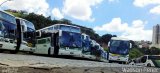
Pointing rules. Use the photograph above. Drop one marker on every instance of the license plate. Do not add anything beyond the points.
(71, 53)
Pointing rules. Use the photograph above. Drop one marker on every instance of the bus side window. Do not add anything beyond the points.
(48, 40)
(144, 59)
(41, 41)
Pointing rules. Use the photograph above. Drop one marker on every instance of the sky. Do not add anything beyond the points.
(132, 19)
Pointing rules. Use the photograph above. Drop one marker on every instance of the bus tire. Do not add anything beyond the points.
(49, 52)
(148, 65)
(110, 61)
(1, 51)
(56, 50)
(30, 52)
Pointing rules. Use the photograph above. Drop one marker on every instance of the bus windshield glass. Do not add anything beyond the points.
(30, 26)
(7, 25)
(70, 39)
(29, 35)
(7, 17)
(119, 47)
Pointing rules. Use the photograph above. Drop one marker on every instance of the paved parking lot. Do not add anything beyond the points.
(18, 63)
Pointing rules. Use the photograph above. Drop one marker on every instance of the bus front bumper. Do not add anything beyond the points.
(71, 52)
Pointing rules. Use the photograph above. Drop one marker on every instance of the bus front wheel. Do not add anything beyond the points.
(110, 61)
(148, 65)
(1, 51)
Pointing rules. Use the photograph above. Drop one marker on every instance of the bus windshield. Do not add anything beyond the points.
(119, 47)
(7, 25)
(29, 35)
(7, 17)
(70, 39)
(30, 26)
(86, 43)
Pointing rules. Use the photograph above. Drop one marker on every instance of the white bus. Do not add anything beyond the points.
(119, 50)
(27, 34)
(59, 39)
(12, 33)
(148, 60)
(9, 33)
(92, 50)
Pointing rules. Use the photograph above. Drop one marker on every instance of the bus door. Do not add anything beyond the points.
(19, 35)
(56, 43)
(43, 45)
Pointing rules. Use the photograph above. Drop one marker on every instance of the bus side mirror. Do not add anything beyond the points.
(24, 28)
(130, 46)
(60, 32)
(1, 26)
(108, 44)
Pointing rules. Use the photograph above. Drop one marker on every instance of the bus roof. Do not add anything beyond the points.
(68, 25)
(119, 38)
(59, 24)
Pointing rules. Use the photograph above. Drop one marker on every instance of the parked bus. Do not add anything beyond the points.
(148, 60)
(27, 34)
(15, 33)
(92, 50)
(9, 33)
(119, 50)
(59, 39)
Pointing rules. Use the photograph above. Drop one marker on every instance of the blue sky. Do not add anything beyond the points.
(132, 19)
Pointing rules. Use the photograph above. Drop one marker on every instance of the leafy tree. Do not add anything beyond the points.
(154, 51)
(106, 38)
(135, 53)
(66, 21)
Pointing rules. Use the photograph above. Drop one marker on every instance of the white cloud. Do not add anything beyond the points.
(155, 10)
(56, 13)
(80, 9)
(115, 25)
(134, 32)
(36, 6)
(144, 3)
(137, 31)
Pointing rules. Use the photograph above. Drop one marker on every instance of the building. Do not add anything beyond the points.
(156, 36)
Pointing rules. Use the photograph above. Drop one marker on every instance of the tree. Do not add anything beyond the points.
(154, 51)
(106, 38)
(66, 21)
(135, 53)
